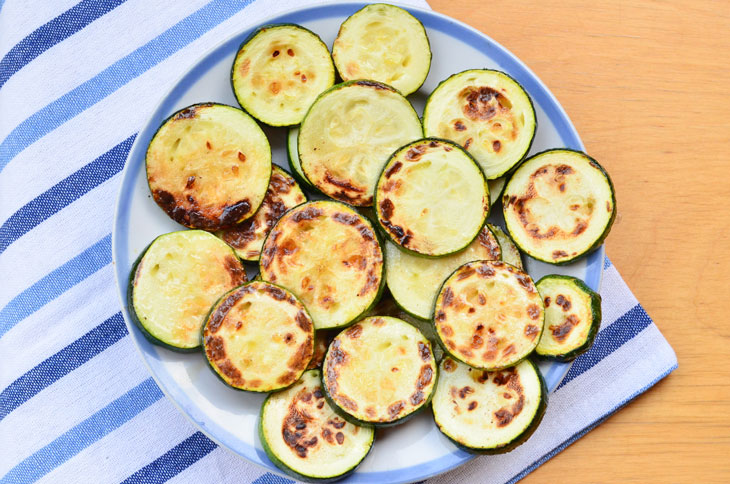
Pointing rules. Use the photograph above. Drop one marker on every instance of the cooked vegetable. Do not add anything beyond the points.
(348, 135)
(495, 189)
(572, 317)
(279, 71)
(559, 205)
(489, 413)
(292, 154)
(432, 198)
(258, 337)
(414, 281)
(510, 253)
(175, 282)
(304, 437)
(488, 113)
(208, 166)
(488, 315)
(328, 255)
(379, 371)
(322, 340)
(384, 43)
(248, 237)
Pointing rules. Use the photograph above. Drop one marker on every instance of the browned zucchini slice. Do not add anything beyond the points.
(510, 252)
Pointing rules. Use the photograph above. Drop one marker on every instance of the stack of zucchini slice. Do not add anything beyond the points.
(375, 198)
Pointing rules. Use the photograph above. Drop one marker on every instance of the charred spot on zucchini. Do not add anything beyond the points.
(304, 437)
(510, 253)
(421, 189)
(384, 43)
(489, 315)
(488, 113)
(572, 317)
(559, 205)
(489, 412)
(329, 256)
(279, 71)
(380, 371)
(292, 153)
(208, 166)
(348, 135)
(258, 337)
(414, 281)
(247, 238)
(175, 282)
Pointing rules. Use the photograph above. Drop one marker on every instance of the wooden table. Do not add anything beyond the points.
(647, 85)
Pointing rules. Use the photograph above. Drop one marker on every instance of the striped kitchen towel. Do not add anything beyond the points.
(77, 80)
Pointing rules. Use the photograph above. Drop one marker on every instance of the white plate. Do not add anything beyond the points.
(410, 452)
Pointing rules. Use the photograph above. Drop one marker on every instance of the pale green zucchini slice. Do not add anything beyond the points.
(559, 205)
(208, 166)
(279, 71)
(329, 256)
(510, 252)
(292, 154)
(258, 337)
(488, 113)
(380, 372)
(348, 135)
(384, 43)
(496, 187)
(305, 438)
(572, 317)
(414, 281)
(489, 413)
(175, 282)
(432, 198)
(247, 238)
(489, 315)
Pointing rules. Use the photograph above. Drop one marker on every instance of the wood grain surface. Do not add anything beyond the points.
(647, 85)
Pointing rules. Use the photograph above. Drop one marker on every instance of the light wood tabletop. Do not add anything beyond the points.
(647, 85)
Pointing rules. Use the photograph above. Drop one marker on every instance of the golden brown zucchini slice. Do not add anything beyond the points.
(258, 337)
(510, 253)
(422, 189)
(328, 255)
(208, 166)
(489, 315)
(559, 205)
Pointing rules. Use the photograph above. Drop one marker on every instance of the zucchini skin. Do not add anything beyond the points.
(299, 177)
(595, 324)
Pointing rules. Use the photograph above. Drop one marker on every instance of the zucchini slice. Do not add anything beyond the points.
(510, 253)
(489, 315)
(348, 135)
(489, 413)
(305, 438)
(380, 372)
(572, 317)
(496, 187)
(559, 205)
(208, 166)
(384, 43)
(329, 256)
(175, 282)
(414, 281)
(248, 237)
(292, 154)
(258, 337)
(488, 113)
(422, 187)
(279, 71)
(322, 340)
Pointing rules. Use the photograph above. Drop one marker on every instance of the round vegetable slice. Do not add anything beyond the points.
(295, 166)
(305, 438)
(510, 254)
(423, 185)
(496, 187)
(384, 43)
(488, 315)
(279, 72)
(488, 113)
(379, 371)
(208, 166)
(414, 281)
(248, 237)
(328, 255)
(559, 205)
(489, 413)
(348, 135)
(175, 282)
(572, 317)
(258, 338)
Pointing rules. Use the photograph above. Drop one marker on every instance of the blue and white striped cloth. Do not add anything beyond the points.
(77, 79)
